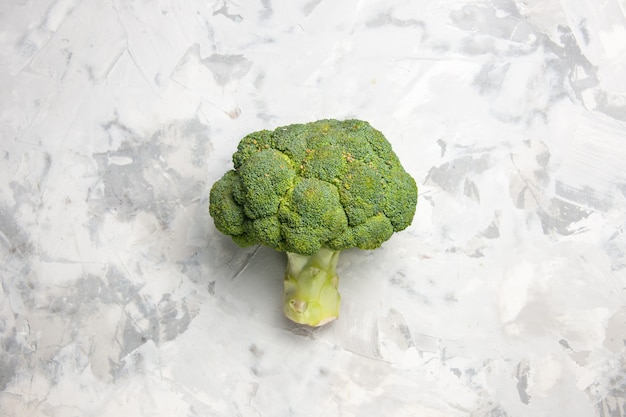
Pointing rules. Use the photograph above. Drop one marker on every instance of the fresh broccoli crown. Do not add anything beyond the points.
(330, 183)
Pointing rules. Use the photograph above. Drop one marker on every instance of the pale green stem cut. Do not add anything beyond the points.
(311, 296)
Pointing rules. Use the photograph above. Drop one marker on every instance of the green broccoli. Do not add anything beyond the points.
(312, 190)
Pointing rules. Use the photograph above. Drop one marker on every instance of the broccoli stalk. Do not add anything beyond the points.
(311, 296)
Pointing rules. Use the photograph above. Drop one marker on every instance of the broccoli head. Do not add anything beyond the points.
(312, 190)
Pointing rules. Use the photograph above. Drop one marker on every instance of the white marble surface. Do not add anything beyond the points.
(506, 297)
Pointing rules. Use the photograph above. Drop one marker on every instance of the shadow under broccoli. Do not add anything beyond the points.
(312, 190)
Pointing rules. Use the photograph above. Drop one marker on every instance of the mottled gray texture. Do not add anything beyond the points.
(451, 176)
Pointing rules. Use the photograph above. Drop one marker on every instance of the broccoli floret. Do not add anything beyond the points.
(312, 190)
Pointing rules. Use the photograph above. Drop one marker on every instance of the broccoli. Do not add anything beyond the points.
(312, 190)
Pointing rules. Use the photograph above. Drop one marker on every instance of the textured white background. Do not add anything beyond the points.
(506, 297)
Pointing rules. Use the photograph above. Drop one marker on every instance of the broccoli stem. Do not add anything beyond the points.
(311, 296)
